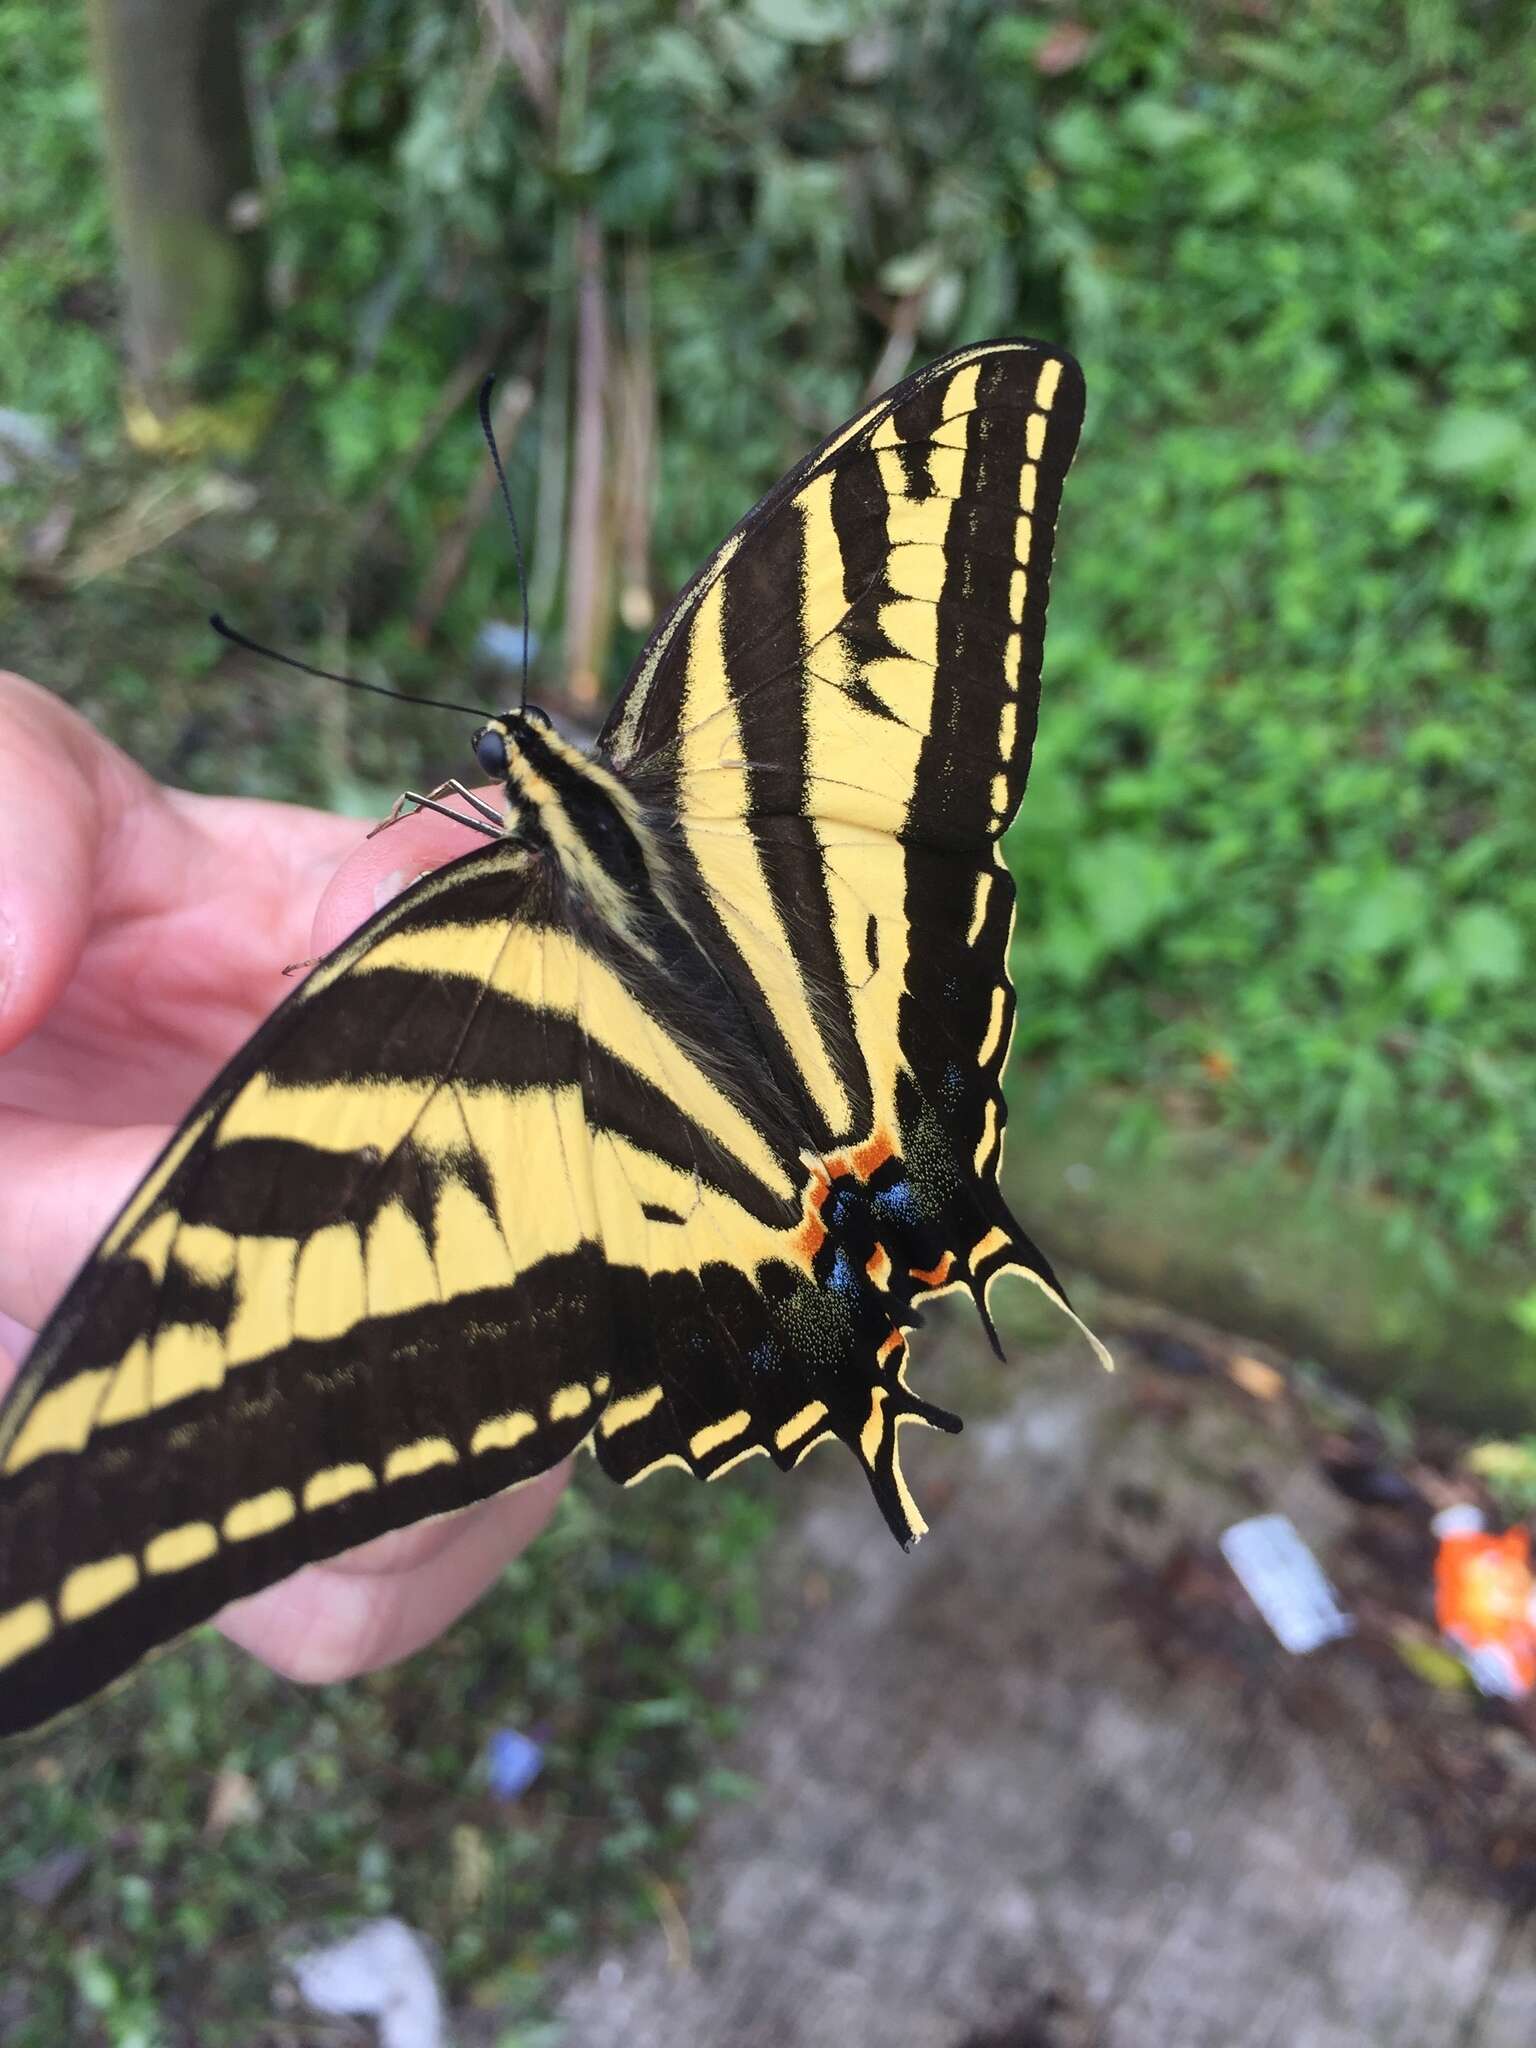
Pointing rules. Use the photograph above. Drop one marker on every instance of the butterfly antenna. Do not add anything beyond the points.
(506, 498)
(305, 668)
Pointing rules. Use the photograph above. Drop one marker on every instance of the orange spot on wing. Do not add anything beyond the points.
(937, 1275)
(878, 1265)
(894, 1342)
(871, 1156)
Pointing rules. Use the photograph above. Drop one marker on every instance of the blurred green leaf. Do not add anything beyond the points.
(1471, 441)
(1487, 945)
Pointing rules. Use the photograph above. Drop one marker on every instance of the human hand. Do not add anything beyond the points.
(143, 933)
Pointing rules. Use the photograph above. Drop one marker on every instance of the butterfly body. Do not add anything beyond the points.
(648, 1124)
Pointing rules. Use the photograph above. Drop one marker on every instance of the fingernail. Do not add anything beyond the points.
(388, 887)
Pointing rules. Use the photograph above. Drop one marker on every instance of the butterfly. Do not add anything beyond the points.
(646, 1125)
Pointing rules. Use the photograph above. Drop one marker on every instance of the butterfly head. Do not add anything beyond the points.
(498, 737)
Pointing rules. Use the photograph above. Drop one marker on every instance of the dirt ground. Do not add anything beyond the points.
(1050, 1781)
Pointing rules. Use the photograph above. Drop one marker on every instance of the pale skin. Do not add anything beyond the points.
(143, 934)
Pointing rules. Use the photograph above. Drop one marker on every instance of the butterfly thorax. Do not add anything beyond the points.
(570, 808)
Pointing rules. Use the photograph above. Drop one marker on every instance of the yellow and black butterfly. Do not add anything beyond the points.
(644, 1125)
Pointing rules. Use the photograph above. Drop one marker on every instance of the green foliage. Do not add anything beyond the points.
(372, 1797)
(1277, 812)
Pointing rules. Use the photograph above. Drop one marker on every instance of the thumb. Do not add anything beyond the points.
(384, 865)
(50, 825)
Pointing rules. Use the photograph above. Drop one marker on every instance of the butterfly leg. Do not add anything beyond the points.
(493, 827)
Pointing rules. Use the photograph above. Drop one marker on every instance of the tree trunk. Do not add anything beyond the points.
(184, 189)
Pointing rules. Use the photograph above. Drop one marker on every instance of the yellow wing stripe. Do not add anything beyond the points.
(259, 1515)
(797, 1425)
(632, 1408)
(504, 1432)
(336, 1482)
(422, 1456)
(703, 1441)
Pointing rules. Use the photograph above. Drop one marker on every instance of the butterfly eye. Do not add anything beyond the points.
(491, 753)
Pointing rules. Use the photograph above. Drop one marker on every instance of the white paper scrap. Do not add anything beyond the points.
(1285, 1582)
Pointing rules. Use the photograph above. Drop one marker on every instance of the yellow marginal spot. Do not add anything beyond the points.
(601, 1385)
(979, 908)
(94, 1586)
(259, 1515)
(999, 794)
(421, 1456)
(570, 1402)
(995, 1241)
(503, 1432)
(1018, 583)
(1045, 388)
(336, 1482)
(872, 1435)
(703, 1441)
(1034, 436)
(177, 1550)
(329, 1284)
(797, 1425)
(60, 1421)
(656, 1464)
(1011, 658)
(1028, 476)
(994, 1035)
(401, 1275)
(1007, 730)
(632, 1408)
(1023, 537)
(988, 1143)
(22, 1629)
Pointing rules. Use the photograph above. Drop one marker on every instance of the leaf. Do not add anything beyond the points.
(1128, 886)
(802, 21)
(1487, 945)
(1160, 127)
(1387, 913)
(1474, 441)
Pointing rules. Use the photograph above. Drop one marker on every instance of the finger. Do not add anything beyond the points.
(384, 865)
(15, 1343)
(62, 1185)
(335, 1620)
(49, 832)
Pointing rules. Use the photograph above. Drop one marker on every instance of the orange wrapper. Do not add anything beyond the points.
(1485, 1600)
